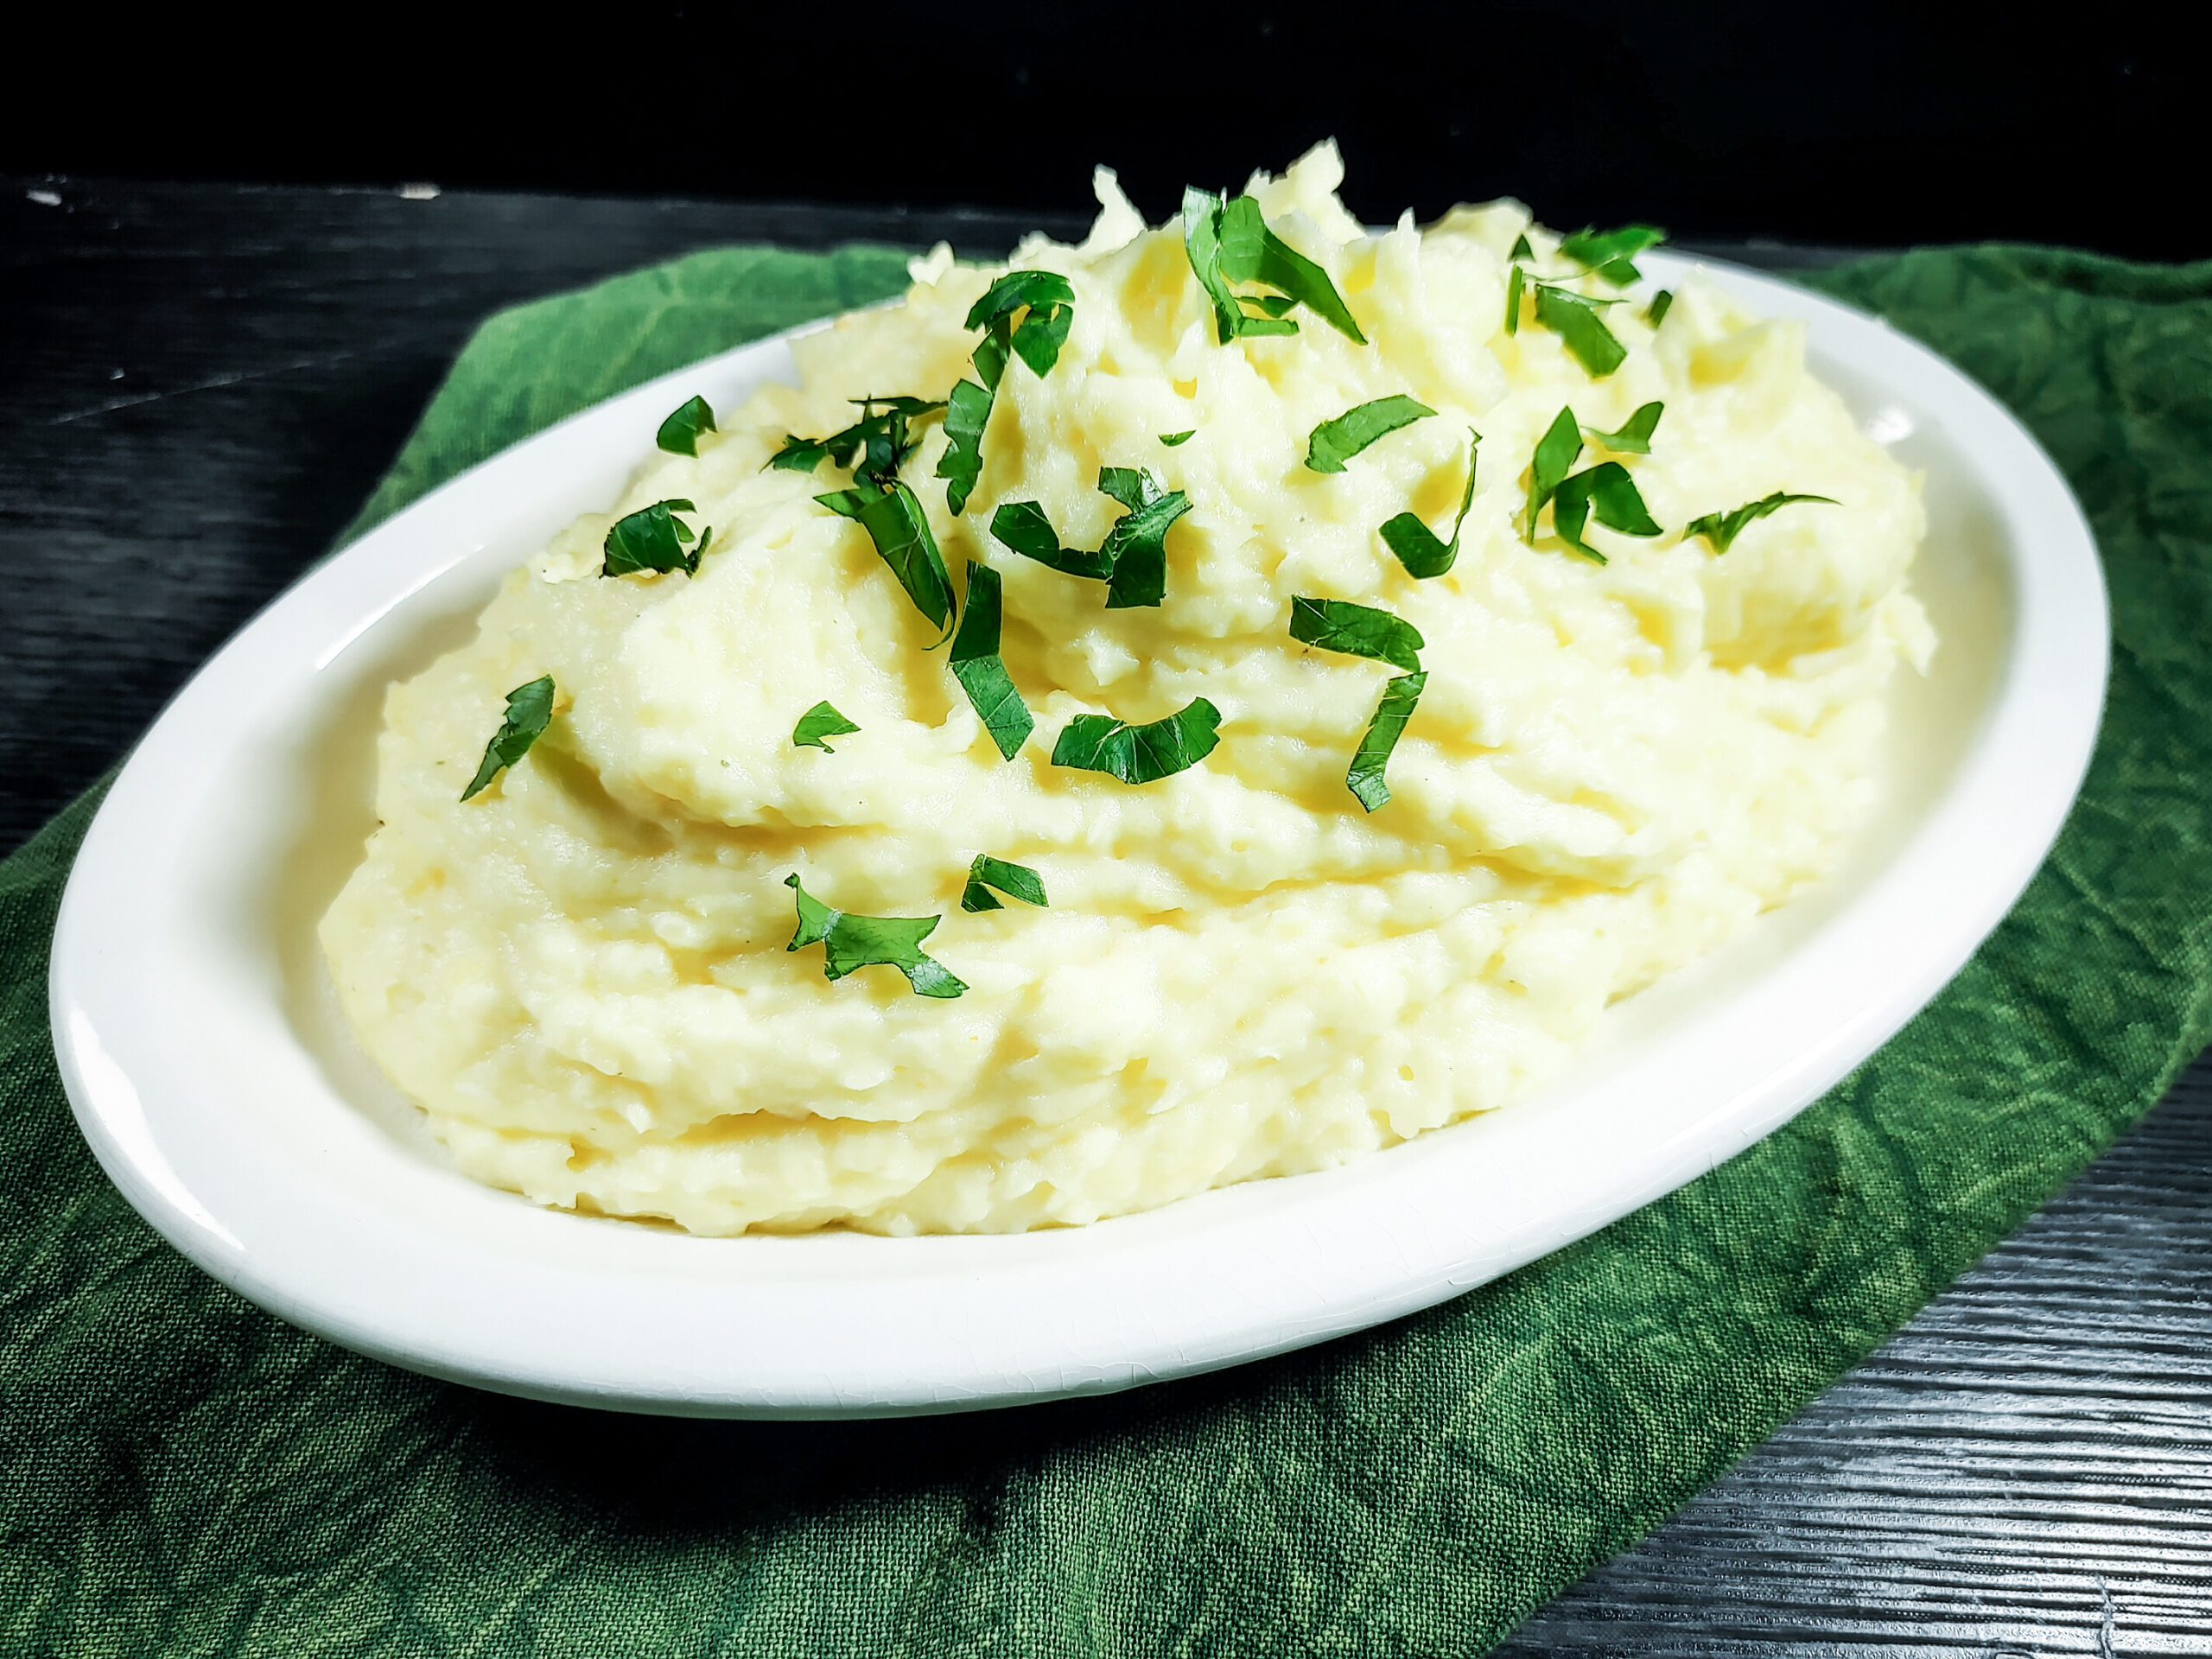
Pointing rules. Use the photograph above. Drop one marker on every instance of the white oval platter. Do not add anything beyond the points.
(215, 1084)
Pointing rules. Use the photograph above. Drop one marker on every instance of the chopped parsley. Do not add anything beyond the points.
(1334, 442)
(1662, 302)
(1050, 304)
(1547, 468)
(1573, 317)
(853, 941)
(1515, 281)
(975, 662)
(1362, 631)
(819, 722)
(530, 710)
(798, 455)
(1202, 243)
(1416, 544)
(1364, 779)
(1719, 528)
(653, 539)
(1635, 436)
(1607, 492)
(1015, 880)
(900, 529)
(887, 436)
(1357, 631)
(1132, 559)
(1135, 549)
(1254, 280)
(1023, 527)
(875, 445)
(992, 355)
(1139, 754)
(967, 412)
(1611, 254)
(1229, 242)
(679, 433)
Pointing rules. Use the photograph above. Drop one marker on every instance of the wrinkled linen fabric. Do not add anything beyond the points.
(182, 1475)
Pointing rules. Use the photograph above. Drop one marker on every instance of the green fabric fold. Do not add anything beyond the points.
(180, 1474)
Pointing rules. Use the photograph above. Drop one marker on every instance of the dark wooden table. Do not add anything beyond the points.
(199, 386)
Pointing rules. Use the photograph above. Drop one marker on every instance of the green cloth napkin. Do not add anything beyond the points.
(180, 1474)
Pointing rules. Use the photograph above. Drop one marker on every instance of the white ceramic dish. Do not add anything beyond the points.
(223, 1097)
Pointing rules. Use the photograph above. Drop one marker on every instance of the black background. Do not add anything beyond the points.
(1871, 125)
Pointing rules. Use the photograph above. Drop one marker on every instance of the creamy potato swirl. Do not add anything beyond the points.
(580, 974)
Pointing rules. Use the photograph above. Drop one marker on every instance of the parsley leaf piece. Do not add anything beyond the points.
(1357, 631)
(1611, 254)
(679, 433)
(1521, 248)
(1049, 303)
(816, 723)
(1229, 242)
(992, 356)
(975, 662)
(1250, 252)
(1574, 319)
(1515, 281)
(880, 408)
(1037, 341)
(1023, 527)
(1334, 442)
(1038, 338)
(1547, 468)
(530, 710)
(1135, 549)
(1132, 559)
(900, 529)
(1201, 221)
(1133, 487)
(885, 437)
(1364, 779)
(880, 440)
(798, 455)
(1416, 544)
(853, 941)
(1720, 529)
(1015, 880)
(1635, 436)
(1607, 491)
(1139, 754)
(966, 412)
(1019, 290)
(1171, 439)
(649, 540)
(1662, 302)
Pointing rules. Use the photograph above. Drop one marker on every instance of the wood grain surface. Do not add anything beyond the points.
(198, 386)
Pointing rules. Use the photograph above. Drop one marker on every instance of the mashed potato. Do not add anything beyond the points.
(580, 974)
